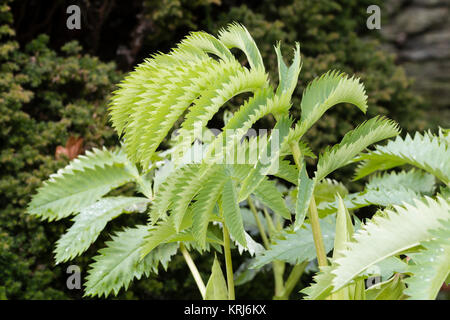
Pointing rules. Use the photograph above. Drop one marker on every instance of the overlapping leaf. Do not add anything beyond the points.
(425, 151)
(119, 263)
(91, 221)
(81, 183)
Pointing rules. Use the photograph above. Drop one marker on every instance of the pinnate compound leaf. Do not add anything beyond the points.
(91, 221)
(267, 161)
(431, 266)
(304, 194)
(237, 36)
(119, 263)
(425, 151)
(81, 183)
(297, 247)
(232, 213)
(388, 189)
(354, 142)
(389, 234)
(325, 92)
(271, 197)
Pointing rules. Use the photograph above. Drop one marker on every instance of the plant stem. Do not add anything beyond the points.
(194, 270)
(258, 223)
(313, 215)
(292, 280)
(297, 154)
(277, 266)
(228, 263)
(278, 272)
(317, 234)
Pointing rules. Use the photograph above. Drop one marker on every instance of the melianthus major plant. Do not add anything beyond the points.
(202, 205)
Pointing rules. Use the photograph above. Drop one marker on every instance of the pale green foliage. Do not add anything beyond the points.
(119, 263)
(416, 180)
(264, 166)
(216, 288)
(296, 247)
(379, 197)
(344, 233)
(91, 221)
(385, 235)
(287, 171)
(159, 91)
(236, 36)
(425, 151)
(304, 194)
(204, 205)
(326, 91)
(391, 289)
(191, 202)
(431, 266)
(232, 213)
(354, 142)
(327, 189)
(81, 183)
(388, 189)
(268, 194)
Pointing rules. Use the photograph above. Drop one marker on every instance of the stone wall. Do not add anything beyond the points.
(418, 31)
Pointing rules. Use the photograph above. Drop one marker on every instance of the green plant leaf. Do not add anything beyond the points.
(81, 183)
(431, 265)
(389, 234)
(297, 247)
(216, 288)
(304, 194)
(323, 93)
(425, 151)
(164, 232)
(388, 290)
(232, 213)
(288, 76)
(354, 142)
(266, 162)
(287, 171)
(204, 204)
(119, 263)
(388, 189)
(91, 221)
(237, 36)
(326, 190)
(380, 197)
(320, 288)
(268, 194)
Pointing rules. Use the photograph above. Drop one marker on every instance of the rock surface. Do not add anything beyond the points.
(418, 32)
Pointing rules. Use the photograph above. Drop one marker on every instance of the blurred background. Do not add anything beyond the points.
(55, 84)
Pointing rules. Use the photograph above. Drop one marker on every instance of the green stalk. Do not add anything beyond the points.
(228, 263)
(292, 280)
(278, 266)
(278, 272)
(317, 234)
(297, 154)
(194, 270)
(258, 223)
(313, 214)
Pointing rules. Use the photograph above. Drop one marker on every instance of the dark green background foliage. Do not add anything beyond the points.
(52, 88)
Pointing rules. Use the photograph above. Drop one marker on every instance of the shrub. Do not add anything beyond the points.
(45, 97)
